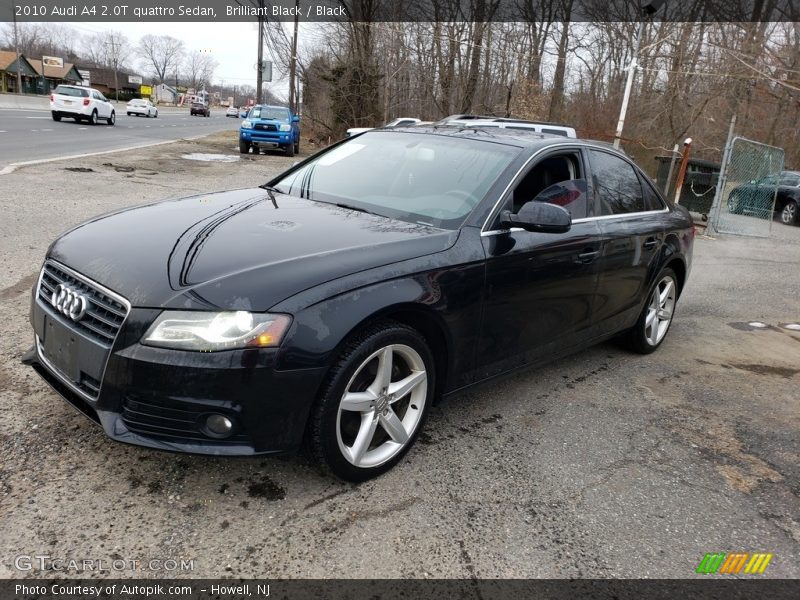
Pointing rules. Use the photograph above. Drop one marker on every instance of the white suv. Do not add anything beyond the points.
(81, 103)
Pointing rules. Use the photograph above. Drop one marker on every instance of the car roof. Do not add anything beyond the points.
(522, 138)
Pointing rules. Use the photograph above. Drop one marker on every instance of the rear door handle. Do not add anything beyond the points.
(588, 255)
(650, 243)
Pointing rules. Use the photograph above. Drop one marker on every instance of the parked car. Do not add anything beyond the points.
(756, 197)
(335, 303)
(141, 108)
(270, 127)
(200, 108)
(399, 122)
(508, 123)
(82, 104)
(232, 112)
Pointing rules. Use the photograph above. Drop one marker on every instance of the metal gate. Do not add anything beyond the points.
(745, 195)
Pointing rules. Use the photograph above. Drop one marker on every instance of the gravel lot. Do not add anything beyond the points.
(604, 464)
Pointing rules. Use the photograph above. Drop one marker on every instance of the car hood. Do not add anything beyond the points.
(236, 249)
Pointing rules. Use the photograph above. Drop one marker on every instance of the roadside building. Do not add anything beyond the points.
(165, 94)
(103, 80)
(8, 73)
(48, 76)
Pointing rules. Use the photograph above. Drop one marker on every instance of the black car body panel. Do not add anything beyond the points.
(488, 300)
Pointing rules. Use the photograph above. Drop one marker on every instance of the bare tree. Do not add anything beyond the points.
(198, 68)
(162, 54)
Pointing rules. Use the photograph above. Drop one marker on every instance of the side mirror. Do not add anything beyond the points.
(539, 217)
(295, 119)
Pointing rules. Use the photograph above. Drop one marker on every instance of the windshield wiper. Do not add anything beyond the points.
(351, 207)
(271, 191)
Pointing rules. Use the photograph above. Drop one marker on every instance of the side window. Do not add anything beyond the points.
(556, 179)
(652, 201)
(615, 184)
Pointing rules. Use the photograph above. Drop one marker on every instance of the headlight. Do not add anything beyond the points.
(285, 127)
(213, 331)
(247, 124)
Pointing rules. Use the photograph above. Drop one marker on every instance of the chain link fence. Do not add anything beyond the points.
(745, 196)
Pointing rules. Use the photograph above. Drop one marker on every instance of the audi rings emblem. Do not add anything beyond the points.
(68, 302)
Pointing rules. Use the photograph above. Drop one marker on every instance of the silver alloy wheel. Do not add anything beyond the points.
(660, 310)
(397, 406)
(789, 213)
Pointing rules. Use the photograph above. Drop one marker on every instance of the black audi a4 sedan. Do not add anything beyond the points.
(332, 305)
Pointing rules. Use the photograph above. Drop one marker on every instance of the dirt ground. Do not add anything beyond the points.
(603, 464)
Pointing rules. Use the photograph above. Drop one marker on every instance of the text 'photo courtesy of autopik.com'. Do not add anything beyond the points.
(391, 299)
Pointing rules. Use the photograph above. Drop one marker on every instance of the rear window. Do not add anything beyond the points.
(65, 90)
(560, 132)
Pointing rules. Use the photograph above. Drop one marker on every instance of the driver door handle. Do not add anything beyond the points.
(650, 243)
(588, 255)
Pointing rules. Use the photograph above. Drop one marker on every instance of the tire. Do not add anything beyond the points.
(289, 150)
(155, 116)
(112, 119)
(93, 118)
(354, 443)
(244, 147)
(297, 147)
(653, 324)
(56, 117)
(129, 114)
(735, 204)
(789, 213)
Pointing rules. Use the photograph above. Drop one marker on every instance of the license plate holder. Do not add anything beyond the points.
(60, 348)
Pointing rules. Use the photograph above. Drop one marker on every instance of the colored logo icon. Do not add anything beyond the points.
(734, 563)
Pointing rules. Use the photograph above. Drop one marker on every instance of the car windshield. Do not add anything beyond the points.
(268, 112)
(65, 90)
(419, 178)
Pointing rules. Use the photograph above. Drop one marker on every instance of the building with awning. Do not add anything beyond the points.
(53, 74)
(8, 73)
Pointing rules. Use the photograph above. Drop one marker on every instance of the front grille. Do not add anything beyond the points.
(266, 127)
(157, 417)
(104, 313)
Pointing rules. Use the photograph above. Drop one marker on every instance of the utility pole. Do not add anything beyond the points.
(647, 10)
(260, 63)
(16, 50)
(114, 62)
(294, 100)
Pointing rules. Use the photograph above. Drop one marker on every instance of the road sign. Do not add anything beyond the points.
(146, 90)
(85, 77)
(53, 61)
(134, 79)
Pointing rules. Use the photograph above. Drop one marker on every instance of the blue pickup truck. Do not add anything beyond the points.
(270, 126)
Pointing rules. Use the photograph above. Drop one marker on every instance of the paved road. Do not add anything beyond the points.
(27, 135)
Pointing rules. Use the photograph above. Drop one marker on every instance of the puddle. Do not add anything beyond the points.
(210, 157)
(790, 326)
(752, 326)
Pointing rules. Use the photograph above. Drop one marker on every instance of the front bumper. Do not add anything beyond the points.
(275, 138)
(160, 398)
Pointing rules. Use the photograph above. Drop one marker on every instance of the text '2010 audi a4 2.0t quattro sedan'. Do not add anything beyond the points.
(335, 303)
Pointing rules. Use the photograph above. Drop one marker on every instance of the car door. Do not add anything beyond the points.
(540, 287)
(630, 217)
(101, 105)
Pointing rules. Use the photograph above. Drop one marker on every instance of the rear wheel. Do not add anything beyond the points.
(654, 322)
(93, 118)
(244, 147)
(373, 403)
(735, 204)
(56, 116)
(789, 213)
(112, 119)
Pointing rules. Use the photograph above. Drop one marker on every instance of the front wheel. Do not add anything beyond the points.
(244, 147)
(789, 213)
(289, 150)
(112, 119)
(653, 324)
(373, 403)
(297, 147)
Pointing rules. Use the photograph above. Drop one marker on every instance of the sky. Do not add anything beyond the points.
(233, 46)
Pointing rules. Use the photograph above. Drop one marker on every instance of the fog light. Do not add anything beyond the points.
(219, 425)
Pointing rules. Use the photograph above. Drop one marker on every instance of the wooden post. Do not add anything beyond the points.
(687, 146)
